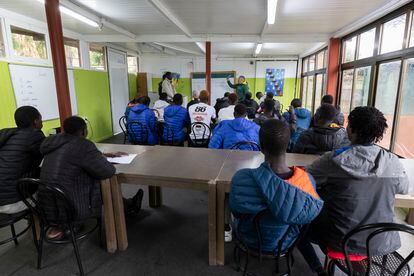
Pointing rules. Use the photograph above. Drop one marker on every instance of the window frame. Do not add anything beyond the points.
(104, 57)
(65, 38)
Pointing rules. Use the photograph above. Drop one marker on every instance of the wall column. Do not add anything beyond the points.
(334, 53)
(54, 24)
(208, 68)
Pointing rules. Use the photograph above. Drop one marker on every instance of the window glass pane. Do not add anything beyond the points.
(309, 93)
(320, 60)
(386, 95)
(349, 49)
(304, 88)
(412, 32)
(361, 87)
(72, 52)
(28, 44)
(393, 35)
(97, 57)
(326, 59)
(132, 65)
(346, 90)
(318, 89)
(404, 144)
(312, 63)
(305, 65)
(366, 44)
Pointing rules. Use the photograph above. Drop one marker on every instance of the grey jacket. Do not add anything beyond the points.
(358, 184)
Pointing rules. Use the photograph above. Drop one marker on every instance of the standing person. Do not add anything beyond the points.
(358, 184)
(303, 120)
(252, 105)
(19, 156)
(147, 132)
(241, 87)
(167, 86)
(176, 119)
(195, 99)
(227, 113)
(339, 116)
(202, 113)
(160, 105)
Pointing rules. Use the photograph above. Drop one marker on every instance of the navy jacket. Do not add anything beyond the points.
(141, 113)
(176, 118)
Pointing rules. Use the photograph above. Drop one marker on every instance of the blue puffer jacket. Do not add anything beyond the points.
(141, 113)
(303, 121)
(291, 203)
(176, 117)
(229, 132)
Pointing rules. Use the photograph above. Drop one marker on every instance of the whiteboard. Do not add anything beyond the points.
(35, 86)
(219, 84)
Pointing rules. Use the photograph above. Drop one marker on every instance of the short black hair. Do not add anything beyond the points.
(145, 100)
(178, 99)
(74, 125)
(274, 137)
(163, 96)
(167, 74)
(233, 98)
(327, 99)
(25, 116)
(368, 123)
(269, 95)
(248, 96)
(269, 105)
(296, 103)
(240, 110)
(227, 94)
(326, 113)
(258, 94)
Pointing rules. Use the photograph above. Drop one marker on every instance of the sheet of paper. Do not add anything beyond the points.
(127, 159)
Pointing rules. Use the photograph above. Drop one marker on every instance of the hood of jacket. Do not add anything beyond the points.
(55, 142)
(139, 108)
(302, 113)
(172, 110)
(239, 124)
(5, 135)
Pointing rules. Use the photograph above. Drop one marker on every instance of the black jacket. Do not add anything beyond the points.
(318, 140)
(252, 107)
(339, 117)
(19, 157)
(75, 165)
(221, 103)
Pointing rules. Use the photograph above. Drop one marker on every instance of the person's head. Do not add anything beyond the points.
(28, 116)
(178, 99)
(259, 95)
(226, 95)
(163, 96)
(195, 94)
(274, 137)
(328, 99)
(268, 106)
(145, 100)
(164, 76)
(325, 115)
(248, 96)
(240, 111)
(241, 80)
(233, 99)
(75, 126)
(204, 96)
(269, 95)
(296, 103)
(366, 125)
(168, 75)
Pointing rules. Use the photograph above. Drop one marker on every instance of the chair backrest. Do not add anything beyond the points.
(168, 137)
(138, 133)
(200, 134)
(123, 124)
(375, 230)
(246, 145)
(56, 199)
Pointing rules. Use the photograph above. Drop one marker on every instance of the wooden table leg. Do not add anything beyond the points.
(212, 220)
(109, 221)
(220, 223)
(410, 217)
(119, 214)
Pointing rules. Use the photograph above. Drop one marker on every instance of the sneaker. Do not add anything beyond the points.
(228, 236)
(137, 200)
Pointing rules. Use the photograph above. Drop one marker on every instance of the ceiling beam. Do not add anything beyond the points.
(161, 49)
(178, 48)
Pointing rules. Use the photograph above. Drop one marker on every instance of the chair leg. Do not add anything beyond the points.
(246, 264)
(40, 247)
(331, 268)
(13, 231)
(34, 233)
(76, 249)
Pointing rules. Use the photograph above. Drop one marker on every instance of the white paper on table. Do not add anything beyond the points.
(127, 159)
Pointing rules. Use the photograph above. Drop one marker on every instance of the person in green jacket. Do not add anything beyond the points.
(241, 87)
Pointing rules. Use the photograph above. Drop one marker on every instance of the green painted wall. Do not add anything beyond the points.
(132, 84)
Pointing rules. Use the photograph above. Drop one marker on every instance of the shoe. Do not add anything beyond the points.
(137, 201)
(228, 236)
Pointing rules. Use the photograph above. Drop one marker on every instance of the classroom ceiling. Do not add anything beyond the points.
(233, 26)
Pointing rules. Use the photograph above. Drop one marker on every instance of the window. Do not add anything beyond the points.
(361, 87)
(349, 49)
(132, 64)
(366, 44)
(393, 34)
(97, 57)
(72, 52)
(28, 44)
(346, 92)
(309, 93)
(312, 63)
(305, 65)
(319, 89)
(320, 60)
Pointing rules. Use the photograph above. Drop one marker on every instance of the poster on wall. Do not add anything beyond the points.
(275, 81)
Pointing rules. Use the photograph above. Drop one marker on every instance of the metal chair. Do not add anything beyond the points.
(200, 135)
(65, 212)
(392, 264)
(167, 136)
(7, 220)
(123, 126)
(257, 252)
(246, 145)
(138, 133)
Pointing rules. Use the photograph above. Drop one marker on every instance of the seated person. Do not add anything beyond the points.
(194, 100)
(134, 102)
(269, 96)
(160, 105)
(230, 132)
(324, 136)
(19, 156)
(251, 105)
(339, 116)
(176, 118)
(222, 102)
(358, 184)
(288, 193)
(226, 113)
(259, 97)
(269, 112)
(303, 120)
(201, 113)
(142, 114)
(74, 164)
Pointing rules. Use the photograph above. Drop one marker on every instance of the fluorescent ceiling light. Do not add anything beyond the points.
(258, 48)
(271, 11)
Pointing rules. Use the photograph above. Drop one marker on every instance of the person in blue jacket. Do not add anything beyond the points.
(288, 194)
(230, 132)
(176, 119)
(142, 114)
(303, 120)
